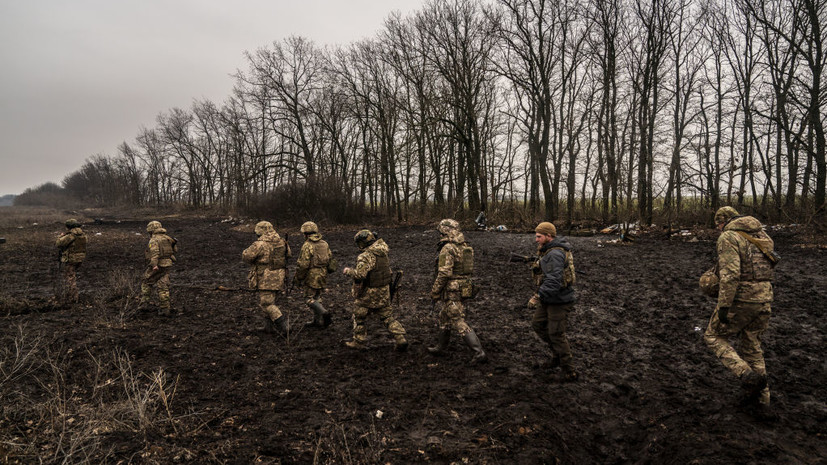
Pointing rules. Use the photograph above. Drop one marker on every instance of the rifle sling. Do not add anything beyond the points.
(758, 244)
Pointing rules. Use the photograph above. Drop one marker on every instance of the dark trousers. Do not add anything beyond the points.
(550, 322)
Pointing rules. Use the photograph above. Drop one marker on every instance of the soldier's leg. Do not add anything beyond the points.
(360, 332)
(539, 323)
(150, 278)
(275, 321)
(717, 337)
(394, 327)
(163, 291)
(71, 282)
(557, 326)
(750, 345)
(456, 314)
(313, 299)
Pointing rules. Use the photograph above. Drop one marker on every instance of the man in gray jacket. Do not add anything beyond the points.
(554, 277)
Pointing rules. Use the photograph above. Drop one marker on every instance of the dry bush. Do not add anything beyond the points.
(53, 412)
(318, 199)
(120, 291)
(338, 443)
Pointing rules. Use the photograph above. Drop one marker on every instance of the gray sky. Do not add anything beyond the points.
(79, 77)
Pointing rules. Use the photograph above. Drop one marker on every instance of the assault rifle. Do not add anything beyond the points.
(286, 257)
(515, 257)
(397, 279)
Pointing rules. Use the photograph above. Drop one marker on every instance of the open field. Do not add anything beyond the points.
(104, 382)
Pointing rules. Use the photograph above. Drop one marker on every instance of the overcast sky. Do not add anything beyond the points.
(79, 77)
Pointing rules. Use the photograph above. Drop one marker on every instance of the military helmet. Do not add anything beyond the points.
(309, 228)
(725, 214)
(72, 223)
(263, 227)
(153, 226)
(447, 225)
(364, 238)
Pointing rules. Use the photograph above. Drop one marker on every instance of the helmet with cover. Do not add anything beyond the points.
(72, 223)
(364, 238)
(263, 227)
(447, 226)
(309, 227)
(153, 226)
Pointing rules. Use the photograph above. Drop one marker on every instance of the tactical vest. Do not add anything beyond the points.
(380, 275)
(75, 252)
(465, 265)
(755, 266)
(166, 247)
(277, 259)
(569, 275)
(321, 255)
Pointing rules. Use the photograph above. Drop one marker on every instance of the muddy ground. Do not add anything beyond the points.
(649, 390)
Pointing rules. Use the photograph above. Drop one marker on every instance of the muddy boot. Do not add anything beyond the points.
(401, 343)
(751, 386)
(474, 343)
(442, 339)
(280, 325)
(319, 314)
(356, 345)
(568, 375)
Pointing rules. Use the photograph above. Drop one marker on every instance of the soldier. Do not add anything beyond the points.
(160, 255)
(745, 272)
(554, 277)
(311, 272)
(452, 284)
(72, 247)
(268, 259)
(371, 290)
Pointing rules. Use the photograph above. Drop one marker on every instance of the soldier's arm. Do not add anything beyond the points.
(305, 255)
(444, 271)
(64, 240)
(251, 253)
(154, 253)
(364, 264)
(729, 268)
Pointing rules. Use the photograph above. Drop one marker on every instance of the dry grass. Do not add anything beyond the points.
(52, 412)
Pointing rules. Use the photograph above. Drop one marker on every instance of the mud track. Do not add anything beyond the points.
(649, 390)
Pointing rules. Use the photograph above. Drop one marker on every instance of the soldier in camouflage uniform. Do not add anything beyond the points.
(72, 247)
(554, 277)
(371, 290)
(452, 284)
(267, 257)
(311, 272)
(743, 311)
(160, 255)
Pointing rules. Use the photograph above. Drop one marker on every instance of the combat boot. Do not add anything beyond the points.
(280, 325)
(474, 343)
(568, 375)
(321, 318)
(442, 339)
(401, 343)
(752, 384)
(356, 345)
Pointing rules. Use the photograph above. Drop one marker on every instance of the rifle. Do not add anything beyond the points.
(397, 278)
(286, 257)
(515, 257)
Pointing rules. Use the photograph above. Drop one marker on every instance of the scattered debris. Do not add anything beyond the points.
(501, 228)
(379, 414)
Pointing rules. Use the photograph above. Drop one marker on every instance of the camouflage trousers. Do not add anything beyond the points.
(267, 304)
(747, 322)
(159, 279)
(68, 292)
(360, 316)
(312, 295)
(550, 323)
(452, 317)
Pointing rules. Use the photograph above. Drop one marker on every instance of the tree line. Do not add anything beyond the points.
(601, 109)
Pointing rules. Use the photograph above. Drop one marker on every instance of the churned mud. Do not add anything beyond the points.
(649, 390)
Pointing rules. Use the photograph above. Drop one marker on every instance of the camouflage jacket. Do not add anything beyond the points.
(311, 266)
(447, 283)
(370, 297)
(267, 257)
(745, 272)
(161, 249)
(72, 246)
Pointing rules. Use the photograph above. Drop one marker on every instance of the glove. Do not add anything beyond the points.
(533, 302)
(723, 315)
